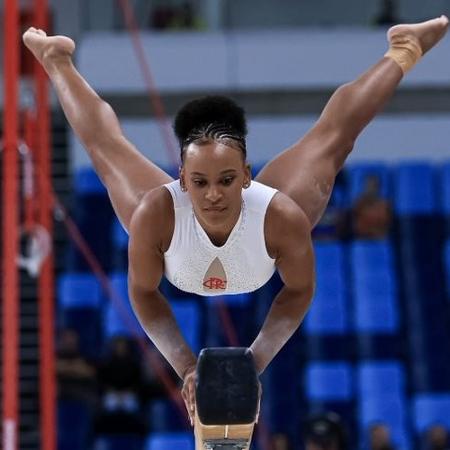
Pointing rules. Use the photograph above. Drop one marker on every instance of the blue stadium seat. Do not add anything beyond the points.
(78, 290)
(93, 215)
(173, 170)
(391, 412)
(381, 379)
(445, 189)
(375, 306)
(86, 181)
(170, 441)
(119, 238)
(431, 409)
(357, 174)
(372, 255)
(80, 299)
(74, 425)
(232, 300)
(329, 259)
(165, 416)
(187, 314)
(240, 314)
(329, 381)
(118, 442)
(119, 235)
(410, 196)
(374, 287)
(329, 311)
(119, 318)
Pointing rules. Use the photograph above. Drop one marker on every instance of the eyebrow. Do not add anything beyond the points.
(222, 172)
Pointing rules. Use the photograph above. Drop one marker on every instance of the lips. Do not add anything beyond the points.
(216, 208)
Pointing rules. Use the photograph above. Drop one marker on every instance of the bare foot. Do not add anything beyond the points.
(48, 49)
(428, 33)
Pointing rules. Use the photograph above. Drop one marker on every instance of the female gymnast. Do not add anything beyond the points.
(215, 231)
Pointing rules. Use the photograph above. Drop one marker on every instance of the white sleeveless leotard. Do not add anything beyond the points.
(194, 264)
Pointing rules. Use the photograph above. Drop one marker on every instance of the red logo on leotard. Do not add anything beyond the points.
(215, 283)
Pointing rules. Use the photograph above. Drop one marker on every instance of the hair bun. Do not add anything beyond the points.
(213, 109)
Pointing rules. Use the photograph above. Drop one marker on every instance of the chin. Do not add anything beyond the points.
(215, 217)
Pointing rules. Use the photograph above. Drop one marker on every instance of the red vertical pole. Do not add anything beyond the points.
(28, 189)
(46, 281)
(10, 285)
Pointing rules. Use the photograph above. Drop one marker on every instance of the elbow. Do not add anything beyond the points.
(303, 303)
(137, 292)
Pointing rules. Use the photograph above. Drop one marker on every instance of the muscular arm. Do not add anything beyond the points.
(291, 240)
(147, 228)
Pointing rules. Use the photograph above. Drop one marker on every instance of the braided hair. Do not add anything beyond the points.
(209, 118)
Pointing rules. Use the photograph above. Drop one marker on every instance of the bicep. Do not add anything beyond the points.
(295, 263)
(145, 260)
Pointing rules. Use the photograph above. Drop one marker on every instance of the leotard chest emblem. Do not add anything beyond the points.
(215, 278)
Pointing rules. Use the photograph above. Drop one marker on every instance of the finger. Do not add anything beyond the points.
(186, 401)
(192, 402)
(192, 396)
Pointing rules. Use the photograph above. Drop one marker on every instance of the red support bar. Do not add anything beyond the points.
(28, 176)
(46, 279)
(10, 224)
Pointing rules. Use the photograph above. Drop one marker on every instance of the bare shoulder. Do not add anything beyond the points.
(154, 218)
(285, 224)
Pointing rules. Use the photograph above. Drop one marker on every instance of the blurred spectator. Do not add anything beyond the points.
(77, 378)
(325, 432)
(162, 16)
(437, 438)
(380, 437)
(388, 13)
(77, 393)
(182, 17)
(334, 222)
(371, 213)
(120, 378)
(280, 441)
(152, 387)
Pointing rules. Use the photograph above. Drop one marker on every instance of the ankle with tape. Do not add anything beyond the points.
(405, 51)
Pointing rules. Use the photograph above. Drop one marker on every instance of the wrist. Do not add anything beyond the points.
(258, 360)
(192, 365)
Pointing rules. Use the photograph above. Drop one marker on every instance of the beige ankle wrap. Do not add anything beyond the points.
(405, 50)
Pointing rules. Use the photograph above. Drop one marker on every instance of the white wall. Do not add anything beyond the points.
(246, 60)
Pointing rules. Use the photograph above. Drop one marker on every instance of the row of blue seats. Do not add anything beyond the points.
(427, 410)
(413, 187)
(365, 274)
(85, 308)
(371, 283)
(379, 388)
(155, 441)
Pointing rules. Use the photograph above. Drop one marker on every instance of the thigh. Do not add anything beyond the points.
(306, 172)
(127, 176)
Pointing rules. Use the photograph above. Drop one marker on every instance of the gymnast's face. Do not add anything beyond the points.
(213, 175)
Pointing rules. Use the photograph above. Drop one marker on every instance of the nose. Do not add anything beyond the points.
(213, 194)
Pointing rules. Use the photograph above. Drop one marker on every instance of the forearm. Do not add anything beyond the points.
(156, 318)
(284, 317)
(92, 119)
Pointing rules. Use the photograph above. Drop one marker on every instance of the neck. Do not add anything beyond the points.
(218, 234)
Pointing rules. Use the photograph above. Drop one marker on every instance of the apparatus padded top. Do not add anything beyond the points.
(227, 386)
